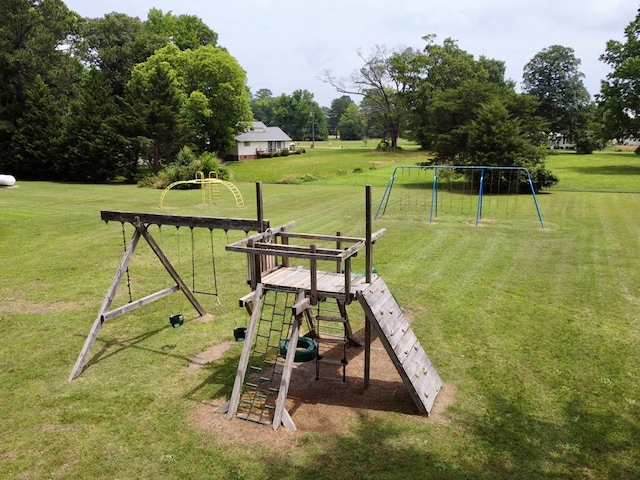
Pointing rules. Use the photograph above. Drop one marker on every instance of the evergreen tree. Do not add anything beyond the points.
(156, 101)
(36, 143)
(94, 149)
(32, 37)
(496, 138)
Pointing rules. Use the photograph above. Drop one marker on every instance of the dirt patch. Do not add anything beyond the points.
(210, 355)
(327, 405)
(16, 306)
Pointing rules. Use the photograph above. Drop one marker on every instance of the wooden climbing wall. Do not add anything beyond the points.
(402, 345)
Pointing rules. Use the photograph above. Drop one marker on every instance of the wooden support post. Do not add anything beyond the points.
(367, 351)
(314, 275)
(285, 241)
(347, 280)
(338, 247)
(369, 243)
(106, 303)
(259, 208)
(368, 274)
(257, 268)
(232, 406)
(286, 371)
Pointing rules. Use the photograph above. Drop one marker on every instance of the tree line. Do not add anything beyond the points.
(118, 98)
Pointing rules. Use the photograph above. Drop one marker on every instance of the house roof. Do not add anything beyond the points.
(259, 132)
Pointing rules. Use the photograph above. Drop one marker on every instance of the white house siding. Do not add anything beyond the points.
(259, 138)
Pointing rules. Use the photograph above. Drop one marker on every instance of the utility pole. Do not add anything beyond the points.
(313, 129)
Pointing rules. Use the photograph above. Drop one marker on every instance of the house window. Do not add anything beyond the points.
(247, 144)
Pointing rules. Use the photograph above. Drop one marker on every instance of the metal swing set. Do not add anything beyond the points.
(479, 181)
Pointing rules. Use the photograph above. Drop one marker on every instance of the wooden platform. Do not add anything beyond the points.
(329, 284)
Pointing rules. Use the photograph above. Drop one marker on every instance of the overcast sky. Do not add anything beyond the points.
(285, 45)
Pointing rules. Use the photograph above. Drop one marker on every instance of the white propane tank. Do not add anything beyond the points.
(7, 180)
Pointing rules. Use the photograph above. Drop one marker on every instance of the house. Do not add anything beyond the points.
(558, 140)
(259, 141)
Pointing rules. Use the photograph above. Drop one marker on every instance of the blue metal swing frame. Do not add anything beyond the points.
(434, 191)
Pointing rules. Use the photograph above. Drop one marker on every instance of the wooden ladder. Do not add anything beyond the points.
(332, 329)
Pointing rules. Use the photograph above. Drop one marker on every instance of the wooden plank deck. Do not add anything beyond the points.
(330, 284)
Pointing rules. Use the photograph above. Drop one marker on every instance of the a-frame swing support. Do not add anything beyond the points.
(141, 223)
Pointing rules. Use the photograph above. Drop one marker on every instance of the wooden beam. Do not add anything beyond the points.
(316, 236)
(242, 224)
(301, 305)
(139, 303)
(259, 236)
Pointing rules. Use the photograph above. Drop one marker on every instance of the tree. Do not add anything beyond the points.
(495, 137)
(338, 107)
(554, 78)
(181, 79)
(32, 37)
(432, 76)
(113, 45)
(380, 84)
(300, 116)
(619, 99)
(117, 42)
(36, 143)
(94, 149)
(351, 125)
(156, 98)
(262, 105)
(183, 31)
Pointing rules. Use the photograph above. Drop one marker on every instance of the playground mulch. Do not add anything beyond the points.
(328, 405)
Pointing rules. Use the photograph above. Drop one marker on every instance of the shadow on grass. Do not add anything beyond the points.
(607, 169)
(582, 445)
(509, 443)
(219, 382)
(113, 347)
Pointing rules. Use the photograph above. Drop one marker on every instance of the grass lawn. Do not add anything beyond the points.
(534, 332)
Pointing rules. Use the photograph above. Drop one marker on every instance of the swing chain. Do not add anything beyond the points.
(124, 244)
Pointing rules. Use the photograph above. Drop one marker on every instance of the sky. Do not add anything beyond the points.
(287, 45)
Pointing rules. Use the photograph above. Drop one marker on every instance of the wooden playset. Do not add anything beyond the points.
(284, 298)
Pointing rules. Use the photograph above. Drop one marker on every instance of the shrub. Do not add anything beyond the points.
(298, 179)
(585, 142)
(384, 144)
(185, 168)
